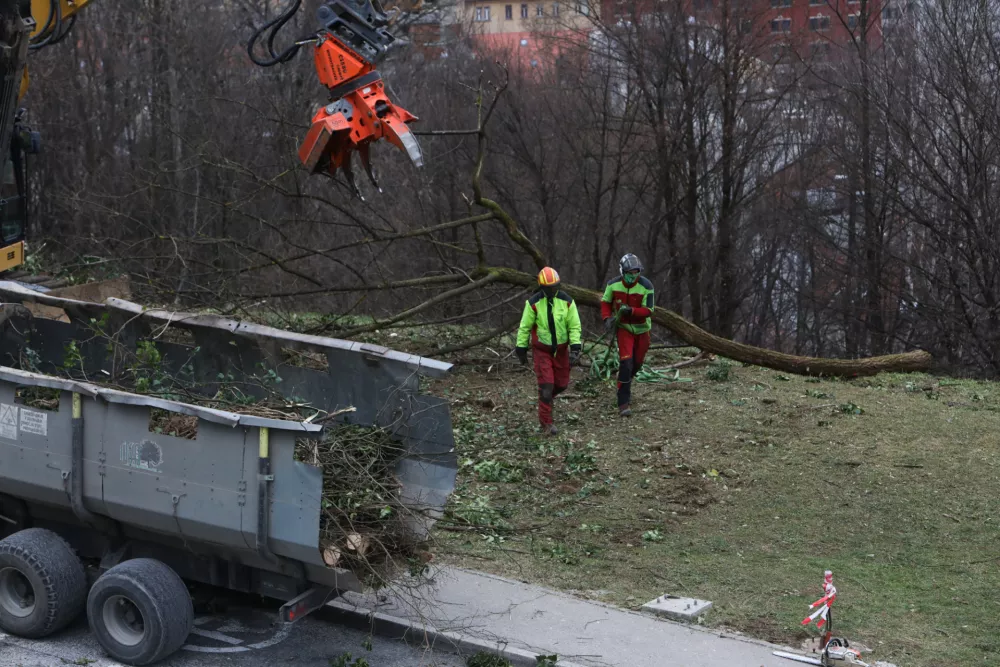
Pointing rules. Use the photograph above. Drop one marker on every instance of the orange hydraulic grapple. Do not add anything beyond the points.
(352, 39)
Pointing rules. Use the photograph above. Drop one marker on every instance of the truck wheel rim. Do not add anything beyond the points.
(123, 620)
(17, 597)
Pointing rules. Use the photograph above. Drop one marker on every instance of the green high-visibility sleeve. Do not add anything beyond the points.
(527, 323)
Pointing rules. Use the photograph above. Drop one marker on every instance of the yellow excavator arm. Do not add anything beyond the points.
(52, 18)
(25, 26)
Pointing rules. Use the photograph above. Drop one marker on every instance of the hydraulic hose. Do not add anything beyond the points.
(65, 33)
(275, 26)
(53, 32)
(44, 38)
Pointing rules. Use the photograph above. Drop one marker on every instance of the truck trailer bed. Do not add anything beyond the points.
(232, 500)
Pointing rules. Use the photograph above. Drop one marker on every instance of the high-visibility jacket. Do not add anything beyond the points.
(639, 296)
(542, 316)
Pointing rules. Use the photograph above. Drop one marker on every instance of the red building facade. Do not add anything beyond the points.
(811, 28)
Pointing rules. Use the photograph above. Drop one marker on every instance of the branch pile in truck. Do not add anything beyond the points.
(387, 453)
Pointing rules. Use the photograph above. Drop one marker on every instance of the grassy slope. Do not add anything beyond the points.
(754, 486)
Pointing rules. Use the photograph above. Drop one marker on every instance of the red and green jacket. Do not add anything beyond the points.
(639, 296)
(542, 316)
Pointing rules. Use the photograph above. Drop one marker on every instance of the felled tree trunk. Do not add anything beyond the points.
(918, 360)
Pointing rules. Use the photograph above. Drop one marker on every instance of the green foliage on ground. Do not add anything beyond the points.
(742, 487)
(484, 659)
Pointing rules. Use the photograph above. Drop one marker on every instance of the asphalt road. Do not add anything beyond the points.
(244, 636)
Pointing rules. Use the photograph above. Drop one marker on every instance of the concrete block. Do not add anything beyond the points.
(678, 608)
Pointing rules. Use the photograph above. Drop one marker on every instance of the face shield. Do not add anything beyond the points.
(630, 277)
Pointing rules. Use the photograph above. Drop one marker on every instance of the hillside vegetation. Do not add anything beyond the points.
(742, 487)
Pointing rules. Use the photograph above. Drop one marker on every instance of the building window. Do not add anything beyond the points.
(852, 21)
(817, 2)
(820, 50)
(555, 9)
(508, 12)
(819, 23)
(700, 5)
(483, 13)
(746, 26)
(781, 3)
(779, 52)
(524, 11)
(540, 10)
(781, 25)
(582, 8)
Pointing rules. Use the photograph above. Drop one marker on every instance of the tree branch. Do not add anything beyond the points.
(399, 284)
(416, 310)
(368, 240)
(508, 222)
(917, 360)
(507, 326)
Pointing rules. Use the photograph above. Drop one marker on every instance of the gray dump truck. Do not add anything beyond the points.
(101, 515)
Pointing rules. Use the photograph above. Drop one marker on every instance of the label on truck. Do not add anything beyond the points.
(34, 422)
(8, 421)
(145, 455)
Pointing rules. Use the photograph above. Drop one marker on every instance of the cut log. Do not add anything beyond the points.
(700, 358)
(358, 543)
(331, 556)
(917, 360)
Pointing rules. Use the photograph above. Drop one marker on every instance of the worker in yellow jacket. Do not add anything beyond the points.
(551, 324)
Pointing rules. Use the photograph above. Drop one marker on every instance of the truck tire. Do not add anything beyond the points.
(43, 587)
(140, 611)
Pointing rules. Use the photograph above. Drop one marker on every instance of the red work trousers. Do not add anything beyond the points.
(552, 371)
(632, 350)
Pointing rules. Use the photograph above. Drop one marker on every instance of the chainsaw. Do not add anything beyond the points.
(837, 653)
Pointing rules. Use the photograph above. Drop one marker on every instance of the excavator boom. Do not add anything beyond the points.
(25, 26)
(16, 27)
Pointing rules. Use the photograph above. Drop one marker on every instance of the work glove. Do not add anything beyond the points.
(609, 323)
(625, 311)
(574, 354)
(522, 355)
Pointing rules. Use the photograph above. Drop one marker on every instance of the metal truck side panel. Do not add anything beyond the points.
(35, 455)
(428, 429)
(381, 385)
(49, 339)
(296, 501)
(198, 497)
(425, 500)
(169, 484)
(95, 455)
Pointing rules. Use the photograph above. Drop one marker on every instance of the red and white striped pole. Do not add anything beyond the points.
(825, 604)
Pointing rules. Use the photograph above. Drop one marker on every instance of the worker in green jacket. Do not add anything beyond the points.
(551, 323)
(628, 302)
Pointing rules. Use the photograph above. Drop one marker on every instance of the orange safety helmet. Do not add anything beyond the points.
(548, 277)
